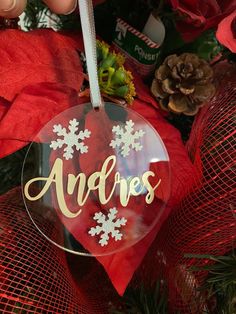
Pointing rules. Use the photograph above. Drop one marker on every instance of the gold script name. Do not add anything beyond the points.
(95, 182)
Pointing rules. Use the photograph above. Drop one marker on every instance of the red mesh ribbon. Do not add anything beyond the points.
(205, 222)
(44, 84)
(34, 273)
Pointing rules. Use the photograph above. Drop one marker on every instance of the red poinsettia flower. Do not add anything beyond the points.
(200, 15)
(226, 33)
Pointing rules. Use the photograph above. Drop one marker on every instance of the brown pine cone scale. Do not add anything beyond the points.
(183, 84)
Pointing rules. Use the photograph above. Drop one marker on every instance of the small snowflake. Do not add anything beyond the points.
(108, 226)
(70, 139)
(126, 137)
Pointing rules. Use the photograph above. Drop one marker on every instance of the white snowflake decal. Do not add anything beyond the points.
(70, 139)
(108, 226)
(126, 137)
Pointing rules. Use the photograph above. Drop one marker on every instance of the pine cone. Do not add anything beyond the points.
(183, 84)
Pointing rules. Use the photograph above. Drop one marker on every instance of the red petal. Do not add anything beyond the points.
(200, 15)
(38, 56)
(225, 33)
(34, 107)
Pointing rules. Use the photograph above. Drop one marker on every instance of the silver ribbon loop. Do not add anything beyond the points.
(89, 37)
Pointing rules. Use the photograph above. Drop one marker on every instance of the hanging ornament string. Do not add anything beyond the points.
(89, 37)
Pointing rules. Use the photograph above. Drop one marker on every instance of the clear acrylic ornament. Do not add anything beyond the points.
(101, 172)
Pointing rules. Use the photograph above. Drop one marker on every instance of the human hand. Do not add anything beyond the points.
(13, 8)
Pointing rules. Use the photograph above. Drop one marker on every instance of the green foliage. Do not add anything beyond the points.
(144, 300)
(221, 281)
(10, 170)
(36, 14)
(205, 46)
(181, 122)
(114, 80)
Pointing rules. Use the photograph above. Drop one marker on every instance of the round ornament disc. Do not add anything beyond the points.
(96, 182)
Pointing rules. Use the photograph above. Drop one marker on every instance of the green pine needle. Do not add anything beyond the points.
(143, 300)
(221, 280)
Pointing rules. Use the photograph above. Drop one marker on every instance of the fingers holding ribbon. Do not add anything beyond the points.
(13, 8)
